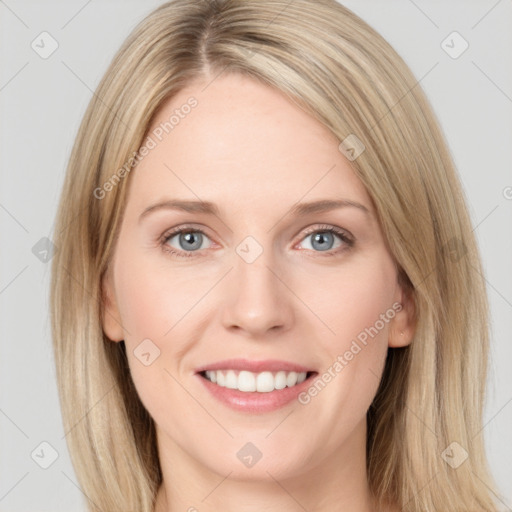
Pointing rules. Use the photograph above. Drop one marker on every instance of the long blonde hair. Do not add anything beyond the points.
(335, 66)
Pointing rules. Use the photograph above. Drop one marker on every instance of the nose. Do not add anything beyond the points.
(257, 298)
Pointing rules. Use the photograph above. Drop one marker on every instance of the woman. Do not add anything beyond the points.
(269, 297)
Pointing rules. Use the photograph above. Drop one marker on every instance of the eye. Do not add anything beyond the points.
(323, 238)
(184, 240)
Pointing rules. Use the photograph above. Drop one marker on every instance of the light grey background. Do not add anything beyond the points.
(41, 104)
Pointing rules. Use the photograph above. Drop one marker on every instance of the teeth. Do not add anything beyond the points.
(263, 382)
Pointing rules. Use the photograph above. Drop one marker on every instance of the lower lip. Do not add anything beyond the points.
(255, 402)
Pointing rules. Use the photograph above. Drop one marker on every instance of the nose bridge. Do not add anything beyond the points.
(258, 300)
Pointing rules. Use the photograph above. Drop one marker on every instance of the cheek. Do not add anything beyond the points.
(149, 310)
(158, 304)
(358, 308)
(355, 300)
(154, 297)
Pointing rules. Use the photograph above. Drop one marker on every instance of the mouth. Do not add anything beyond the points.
(261, 382)
(255, 386)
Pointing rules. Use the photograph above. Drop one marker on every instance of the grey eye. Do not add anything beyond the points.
(322, 240)
(188, 241)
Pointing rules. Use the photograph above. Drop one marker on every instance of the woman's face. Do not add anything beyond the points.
(257, 278)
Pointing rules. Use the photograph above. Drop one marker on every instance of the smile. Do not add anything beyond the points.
(262, 382)
(255, 387)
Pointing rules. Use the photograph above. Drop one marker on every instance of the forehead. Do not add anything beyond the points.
(242, 142)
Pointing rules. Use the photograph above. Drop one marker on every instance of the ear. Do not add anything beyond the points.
(403, 325)
(111, 319)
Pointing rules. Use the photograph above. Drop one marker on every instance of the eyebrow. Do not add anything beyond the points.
(208, 208)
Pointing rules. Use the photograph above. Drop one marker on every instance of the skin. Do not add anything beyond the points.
(255, 154)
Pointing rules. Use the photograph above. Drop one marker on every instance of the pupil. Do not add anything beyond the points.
(189, 238)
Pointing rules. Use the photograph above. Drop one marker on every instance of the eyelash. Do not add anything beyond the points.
(349, 242)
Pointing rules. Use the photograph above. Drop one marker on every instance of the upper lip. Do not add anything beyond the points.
(272, 365)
